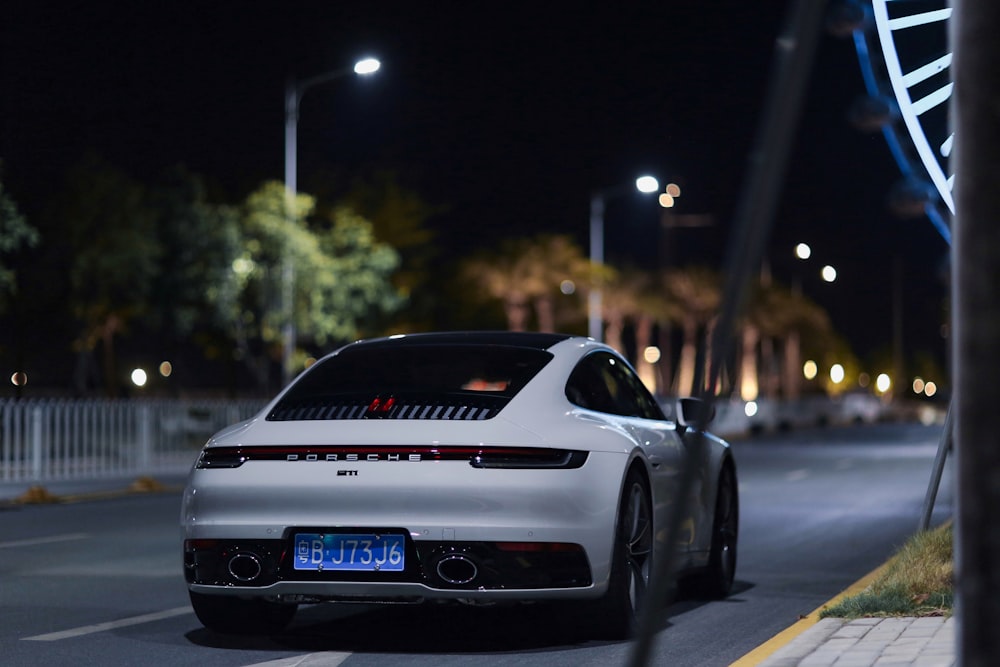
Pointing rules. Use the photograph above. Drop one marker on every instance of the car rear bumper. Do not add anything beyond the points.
(432, 570)
(526, 533)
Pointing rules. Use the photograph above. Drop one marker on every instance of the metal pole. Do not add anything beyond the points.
(794, 51)
(976, 306)
(595, 318)
(944, 446)
(292, 95)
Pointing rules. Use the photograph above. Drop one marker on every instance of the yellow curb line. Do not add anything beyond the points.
(39, 495)
(762, 652)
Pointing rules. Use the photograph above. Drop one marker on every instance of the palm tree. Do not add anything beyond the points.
(778, 313)
(526, 274)
(621, 301)
(695, 294)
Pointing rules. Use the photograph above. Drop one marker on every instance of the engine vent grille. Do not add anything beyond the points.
(447, 408)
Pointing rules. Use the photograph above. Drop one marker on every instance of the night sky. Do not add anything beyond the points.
(508, 113)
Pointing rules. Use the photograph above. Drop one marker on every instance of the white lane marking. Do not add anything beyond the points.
(44, 540)
(111, 625)
(325, 659)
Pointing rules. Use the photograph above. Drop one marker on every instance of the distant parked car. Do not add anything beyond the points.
(860, 408)
(466, 467)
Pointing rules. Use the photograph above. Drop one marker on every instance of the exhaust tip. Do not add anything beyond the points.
(245, 566)
(457, 569)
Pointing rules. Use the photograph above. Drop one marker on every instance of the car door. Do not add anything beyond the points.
(605, 383)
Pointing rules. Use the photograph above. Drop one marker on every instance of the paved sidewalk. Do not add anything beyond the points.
(871, 642)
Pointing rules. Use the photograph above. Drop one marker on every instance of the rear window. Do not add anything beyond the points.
(389, 381)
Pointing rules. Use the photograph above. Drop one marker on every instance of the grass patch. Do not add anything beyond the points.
(917, 581)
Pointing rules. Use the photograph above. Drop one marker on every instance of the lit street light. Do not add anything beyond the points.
(293, 96)
(645, 185)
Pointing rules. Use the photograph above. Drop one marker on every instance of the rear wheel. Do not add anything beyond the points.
(239, 616)
(717, 579)
(631, 563)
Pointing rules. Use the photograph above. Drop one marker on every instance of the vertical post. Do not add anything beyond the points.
(595, 317)
(145, 453)
(36, 443)
(976, 306)
(288, 267)
(898, 360)
(794, 51)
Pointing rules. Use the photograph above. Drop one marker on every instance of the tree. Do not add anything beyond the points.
(775, 312)
(696, 294)
(15, 234)
(529, 273)
(633, 295)
(113, 255)
(399, 218)
(199, 241)
(342, 277)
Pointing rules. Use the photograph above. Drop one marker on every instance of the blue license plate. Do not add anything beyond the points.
(352, 552)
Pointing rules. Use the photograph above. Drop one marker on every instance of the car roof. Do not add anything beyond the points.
(536, 340)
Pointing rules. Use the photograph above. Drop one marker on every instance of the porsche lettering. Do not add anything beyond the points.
(353, 458)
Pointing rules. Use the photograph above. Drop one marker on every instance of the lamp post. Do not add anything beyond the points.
(294, 90)
(645, 185)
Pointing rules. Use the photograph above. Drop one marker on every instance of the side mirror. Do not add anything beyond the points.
(695, 413)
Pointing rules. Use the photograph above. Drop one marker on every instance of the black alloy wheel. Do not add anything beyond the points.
(717, 579)
(631, 564)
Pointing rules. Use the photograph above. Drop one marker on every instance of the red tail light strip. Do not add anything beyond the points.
(477, 457)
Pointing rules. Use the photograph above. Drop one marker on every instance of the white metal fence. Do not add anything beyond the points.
(44, 440)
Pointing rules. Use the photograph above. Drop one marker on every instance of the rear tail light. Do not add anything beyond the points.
(478, 457)
(526, 458)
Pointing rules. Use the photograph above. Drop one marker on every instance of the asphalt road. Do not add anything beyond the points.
(100, 583)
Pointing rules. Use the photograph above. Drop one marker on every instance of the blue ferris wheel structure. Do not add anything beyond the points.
(905, 60)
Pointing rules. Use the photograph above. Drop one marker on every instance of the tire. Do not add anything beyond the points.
(617, 613)
(716, 581)
(238, 616)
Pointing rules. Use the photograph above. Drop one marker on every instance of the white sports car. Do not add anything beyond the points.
(471, 467)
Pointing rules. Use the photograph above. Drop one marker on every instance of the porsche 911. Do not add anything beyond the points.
(468, 467)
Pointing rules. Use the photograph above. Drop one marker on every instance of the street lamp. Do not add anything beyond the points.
(294, 90)
(645, 185)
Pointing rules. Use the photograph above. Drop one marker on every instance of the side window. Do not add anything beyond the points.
(587, 386)
(647, 406)
(601, 382)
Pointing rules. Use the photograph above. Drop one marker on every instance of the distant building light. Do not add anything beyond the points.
(651, 354)
(829, 273)
(837, 373)
(166, 368)
(567, 287)
(864, 380)
(750, 409)
(19, 379)
(803, 251)
(666, 200)
(918, 385)
(810, 370)
(930, 389)
(883, 383)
